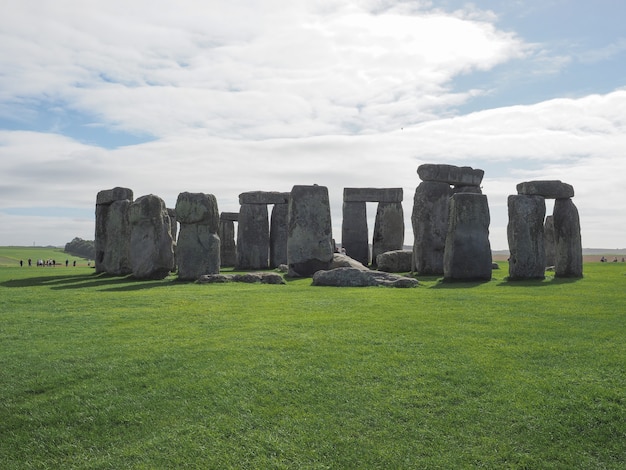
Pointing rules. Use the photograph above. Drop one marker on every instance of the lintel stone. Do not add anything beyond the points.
(230, 216)
(550, 189)
(109, 196)
(372, 194)
(264, 197)
(455, 175)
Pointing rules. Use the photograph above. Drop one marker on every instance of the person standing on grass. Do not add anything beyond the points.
(21, 263)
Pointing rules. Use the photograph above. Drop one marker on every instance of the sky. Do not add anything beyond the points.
(225, 97)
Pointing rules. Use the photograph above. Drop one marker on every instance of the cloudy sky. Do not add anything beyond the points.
(224, 97)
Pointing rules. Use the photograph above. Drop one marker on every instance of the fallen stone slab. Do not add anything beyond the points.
(248, 278)
(354, 277)
(344, 261)
(550, 189)
(396, 261)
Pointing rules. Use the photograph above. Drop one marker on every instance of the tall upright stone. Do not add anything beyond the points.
(548, 238)
(430, 226)
(112, 233)
(228, 248)
(253, 237)
(198, 247)
(525, 233)
(354, 231)
(388, 229)
(151, 244)
(309, 236)
(567, 238)
(278, 235)
(467, 254)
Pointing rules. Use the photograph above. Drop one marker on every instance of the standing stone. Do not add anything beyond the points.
(548, 240)
(388, 229)
(354, 231)
(228, 248)
(253, 237)
(198, 247)
(430, 226)
(112, 231)
(116, 260)
(567, 238)
(309, 236)
(525, 234)
(278, 235)
(151, 244)
(467, 254)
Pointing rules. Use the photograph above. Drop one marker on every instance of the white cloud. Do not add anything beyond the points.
(244, 97)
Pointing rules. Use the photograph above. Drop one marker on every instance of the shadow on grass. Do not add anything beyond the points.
(111, 283)
(449, 284)
(547, 282)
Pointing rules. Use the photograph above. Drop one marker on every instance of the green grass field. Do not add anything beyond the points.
(99, 372)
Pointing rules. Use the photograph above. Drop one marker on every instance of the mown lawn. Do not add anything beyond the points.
(104, 372)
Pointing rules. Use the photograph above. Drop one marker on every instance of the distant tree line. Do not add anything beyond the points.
(82, 248)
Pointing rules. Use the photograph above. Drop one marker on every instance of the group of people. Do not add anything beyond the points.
(48, 262)
(606, 260)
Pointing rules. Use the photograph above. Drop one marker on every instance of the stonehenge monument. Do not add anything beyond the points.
(430, 217)
(532, 240)
(450, 221)
(253, 229)
(388, 225)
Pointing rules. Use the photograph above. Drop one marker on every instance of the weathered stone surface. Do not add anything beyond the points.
(525, 235)
(198, 208)
(108, 196)
(117, 252)
(430, 226)
(198, 247)
(550, 189)
(230, 216)
(354, 277)
(567, 238)
(263, 197)
(372, 194)
(467, 255)
(197, 252)
(151, 244)
(344, 261)
(548, 239)
(228, 248)
(278, 235)
(112, 232)
(397, 261)
(253, 237)
(250, 278)
(456, 175)
(388, 229)
(354, 232)
(309, 242)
